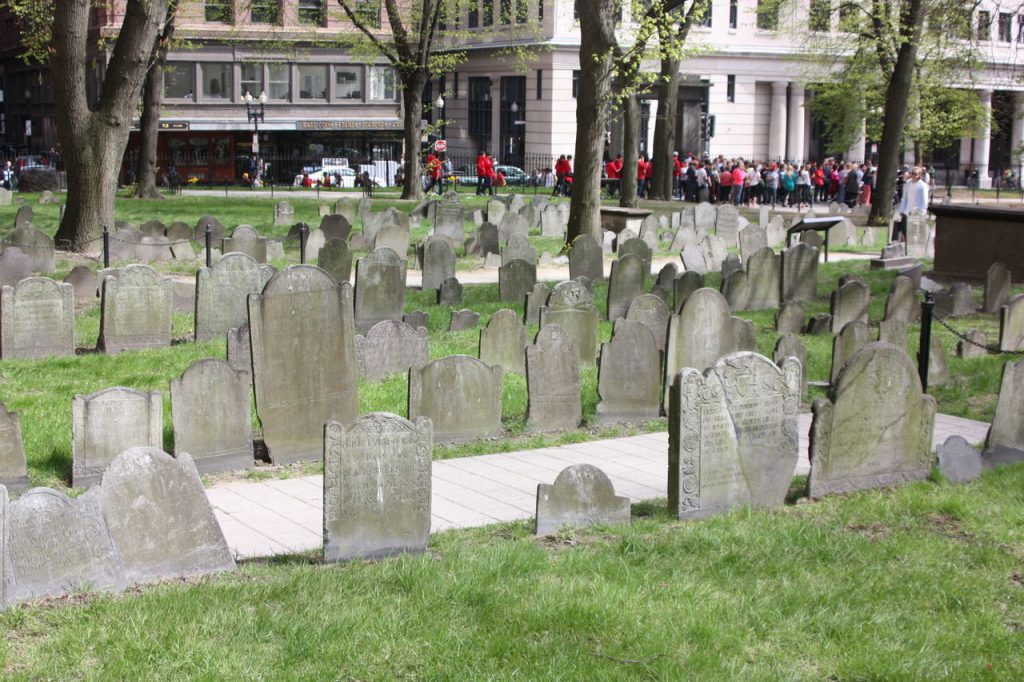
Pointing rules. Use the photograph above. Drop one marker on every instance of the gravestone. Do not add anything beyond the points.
(551, 224)
(335, 227)
(487, 240)
(239, 353)
(701, 333)
(377, 480)
(637, 247)
(417, 319)
(850, 339)
(123, 243)
(348, 207)
(211, 415)
(503, 341)
(997, 288)
(518, 248)
(1011, 325)
(335, 258)
(571, 307)
(496, 210)
(135, 311)
(222, 294)
(394, 237)
(959, 462)
(380, 288)
(894, 332)
(1007, 430)
(914, 274)
(775, 234)
(685, 236)
(216, 229)
(736, 289)
(462, 320)
(727, 224)
(685, 285)
(58, 545)
(373, 223)
(714, 252)
(6, 197)
(902, 301)
(649, 234)
(813, 239)
(705, 217)
(108, 422)
(850, 304)
(800, 273)
(535, 300)
(733, 435)
(789, 345)
(790, 319)
(153, 228)
(730, 265)
(512, 224)
(13, 468)
(752, 239)
(391, 347)
(651, 312)
(449, 220)
(35, 244)
(917, 236)
(973, 345)
(159, 518)
(24, 216)
(153, 249)
(284, 214)
(586, 259)
(842, 233)
(14, 266)
(625, 283)
(694, 260)
(37, 319)
(450, 292)
(552, 382)
(957, 301)
(314, 242)
(581, 496)
(460, 395)
(516, 279)
(743, 334)
(629, 375)
(245, 239)
(530, 214)
(665, 283)
(438, 262)
(875, 428)
(305, 371)
(938, 368)
(819, 324)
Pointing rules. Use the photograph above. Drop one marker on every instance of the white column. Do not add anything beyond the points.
(855, 153)
(1017, 135)
(652, 121)
(777, 127)
(984, 141)
(795, 150)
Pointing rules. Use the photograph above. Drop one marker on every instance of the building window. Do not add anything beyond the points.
(217, 82)
(383, 85)
(705, 18)
(540, 82)
(984, 25)
(488, 12)
(312, 81)
(734, 13)
(473, 19)
(1005, 27)
(767, 15)
(221, 11)
(480, 110)
(506, 11)
(575, 83)
(178, 80)
(730, 88)
(368, 12)
(348, 82)
(820, 16)
(311, 12)
(252, 79)
(1020, 28)
(455, 87)
(266, 11)
(280, 81)
(522, 11)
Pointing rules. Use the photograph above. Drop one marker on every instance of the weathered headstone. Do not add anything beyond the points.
(849, 304)
(108, 422)
(450, 292)
(551, 223)
(637, 247)
(775, 234)
(736, 289)
(938, 367)
(959, 462)
(461, 396)
(417, 319)
(625, 283)
(743, 334)
(1011, 325)
(701, 333)
(819, 324)
(917, 236)
(800, 273)
(35, 244)
(586, 259)
(315, 241)
(764, 280)
(462, 320)
(973, 345)
(790, 319)
(850, 339)
(518, 248)
(391, 347)
(211, 415)
(629, 375)
(135, 311)
(552, 381)
(373, 223)
(449, 220)
(512, 224)
(13, 468)
(813, 239)
(495, 211)
(335, 227)
(733, 436)
(239, 353)
(535, 300)
(380, 288)
(875, 428)
(516, 279)
(438, 262)
(216, 229)
(304, 360)
(347, 207)
(6, 197)
(24, 216)
(902, 302)
(752, 239)
(394, 237)
(377, 476)
(727, 224)
(335, 258)
(245, 239)
(705, 217)
(714, 252)
(1007, 430)
(581, 496)
(37, 319)
(222, 294)
(153, 249)
(894, 332)
(650, 311)
(693, 260)
(997, 288)
(503, 342)
(571, 307)
(789, 345)
(730, 264)
(687, 283)
(284, 214)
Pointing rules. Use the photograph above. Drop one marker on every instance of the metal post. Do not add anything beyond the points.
(925, 342)
(209, 243)
(106, 246)
(303, 232)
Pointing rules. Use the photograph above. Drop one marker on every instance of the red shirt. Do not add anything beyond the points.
(677, 167)
(725, 178)
(481, 165)
(562, 167)
(434, 166)
(612, 170)
(738, 176)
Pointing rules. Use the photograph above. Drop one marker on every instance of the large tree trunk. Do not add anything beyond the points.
(149, 125)
(93, 139)
(597, 29)
(896, 96)
(665, 130)
(630, 150)
(412, 99)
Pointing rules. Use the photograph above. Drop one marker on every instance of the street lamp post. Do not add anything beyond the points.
(254, 111)
(28, 120)
(439, 107)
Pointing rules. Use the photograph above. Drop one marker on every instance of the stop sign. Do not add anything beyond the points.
(440, 146)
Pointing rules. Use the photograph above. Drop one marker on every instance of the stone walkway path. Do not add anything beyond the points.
(283, 516)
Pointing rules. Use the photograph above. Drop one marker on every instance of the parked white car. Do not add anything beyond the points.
(340, 176)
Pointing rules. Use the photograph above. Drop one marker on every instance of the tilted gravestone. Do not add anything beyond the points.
(518, 248)
(744, 335)
(701, 333)
(629, 375)
(850, 304)
(496, 211)
(37, 319)
(764, 280)
(819, 324)
(714, 252)
(957, 301)
(958, 460)
(731, 264)
(850, 339)
(305, 371)
(651, 312)
(637, 247)
(625, 283)
(512, 224)
(800, 273)
(450, 292)
(373, 223)
(84, 283)
(438, 261)
(790, 319)
(58, 545)
(733, 435)
(775, 234)
(461, 396)
(222, 294)
(335, 258)
(159, 517)
(586, 259)
(245, 239)
(552, 381)
(335, 227)
(503, 342)
(938, 368)
(875, 428)
(665, 283)
(14, 266)
(789, 345)
(736, 289)
(694, 260)
(535, 300)
(902, 301)
(752, 239)
(685, 285)
(571, 307)
(135, 311)
(377, 479)
(35, 244)
(581, 496)
(1007, 430)
(462, 320)
(391, 347)
(394, 237)
(516, 279)
(211, 415)
(315, 241)
(1011, 325)
(997, 288)
(13, 468)
(108, 422)
(380, 288)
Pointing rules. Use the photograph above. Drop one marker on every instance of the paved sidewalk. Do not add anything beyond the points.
(285, 516)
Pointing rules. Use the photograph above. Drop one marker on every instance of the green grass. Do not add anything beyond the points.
(923, 582)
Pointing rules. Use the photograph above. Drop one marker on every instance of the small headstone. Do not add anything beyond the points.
(222, 294)
(461, 396)
(24, 216)
(552, 381)
(957, 301)
(875, 428)
(629, 375)
(417, 319)
(625, 283)
(938, 368)
(239, 353)
(959, 462)
(495, 211)
(35, 244)
(13, 468)
(800, 273)
(535, 300)
(1011, 325)
(348, 208)
(515, 280)
(731, 264)
(245, 239)
(789, 345)
(153, 249)
(518, 248)
(135, 311)
(849, 304)
(917, 236)
(512, 224)
(581, 496)
(736, 289)
(216, 229)
(551, 223)
(790, 319)
(819, 324)
(914, 273)
(488, 240)
(373, 223)
(586, 259)
(335, 227)
(450, 292)
(693, 260)
(153, 228)
(764, 280)
(727, 224)
(438, 262)
(463, 319)
(449, 220)
(854, 336)
(687, 283)
(684, 237)
(752, 239)
(775, 234)
(997, 288)
(651, 311)
(894, 332)
(705, 217)
(108, 422)
(743, 334)
(394, 237)
(812, 238)
(571, 307)
(6, 197)
(391, 347)
(211, 415)
(974, 346)
(503, 341)
(284, 214)
(335, 258)
(37, 319)
(1007, 430)
(715, 252)
(380, 288)
(902, 302)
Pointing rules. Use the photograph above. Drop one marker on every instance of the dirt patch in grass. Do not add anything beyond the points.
(871, 531)
(948, 526)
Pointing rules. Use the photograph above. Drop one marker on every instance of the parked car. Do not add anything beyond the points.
(31, 162)
(342, 175)
(514, 176)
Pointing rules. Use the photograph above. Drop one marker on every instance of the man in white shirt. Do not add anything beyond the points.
(913, 202)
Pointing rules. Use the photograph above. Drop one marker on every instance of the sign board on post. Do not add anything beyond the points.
(440, 145)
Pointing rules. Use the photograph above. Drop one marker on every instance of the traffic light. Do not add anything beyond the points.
(707, 126)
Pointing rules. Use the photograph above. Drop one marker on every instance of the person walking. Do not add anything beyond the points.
(914, 202)
(739, 179)
(481, 173)
(433, 169)
(7, 176)
(771, 183)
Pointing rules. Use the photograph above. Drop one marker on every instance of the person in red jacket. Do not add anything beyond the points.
(433, 172)
(677, 176)
(492, 175)
(481, 173)
(613, 169)
(643, 173)
(562, 167)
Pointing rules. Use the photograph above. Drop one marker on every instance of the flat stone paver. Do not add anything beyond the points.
(284, 516)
